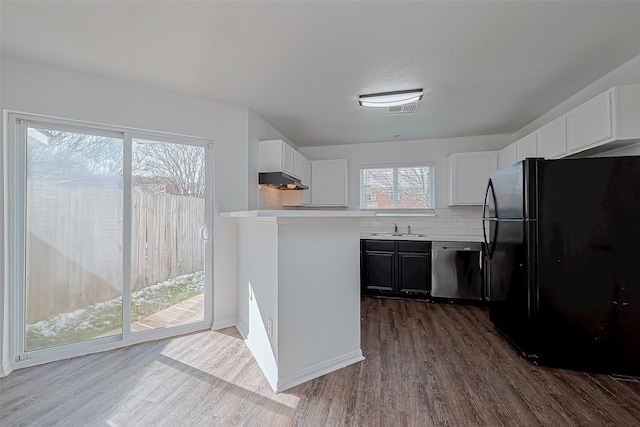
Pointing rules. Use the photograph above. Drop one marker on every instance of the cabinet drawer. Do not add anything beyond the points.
(379, 245)
(411, 246)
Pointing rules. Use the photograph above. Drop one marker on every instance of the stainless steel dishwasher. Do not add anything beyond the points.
(456, 270)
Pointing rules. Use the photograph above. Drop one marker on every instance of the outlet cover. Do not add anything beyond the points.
(444, 218)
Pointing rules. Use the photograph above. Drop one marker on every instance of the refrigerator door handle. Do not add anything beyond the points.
(486, 196)
(484, 217)
(488, 248)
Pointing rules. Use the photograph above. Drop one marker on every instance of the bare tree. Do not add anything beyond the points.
(406, 187)
(157, 167)
(170, 168)
(414, 186)
(63, 155)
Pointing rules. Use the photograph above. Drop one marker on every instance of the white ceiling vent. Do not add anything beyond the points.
(403, 109)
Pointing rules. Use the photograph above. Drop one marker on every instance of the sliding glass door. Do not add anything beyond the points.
(167, 246)
(73, 263)
(111, 238)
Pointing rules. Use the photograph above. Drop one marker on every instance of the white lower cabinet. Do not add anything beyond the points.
(468, 175)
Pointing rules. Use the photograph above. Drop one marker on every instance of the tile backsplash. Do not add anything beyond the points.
(270, 198)
(453, 221)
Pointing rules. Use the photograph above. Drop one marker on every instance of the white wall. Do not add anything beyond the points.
(39, 89)
(627, 73)
(259, 130)
(433, 150)
(258, 293)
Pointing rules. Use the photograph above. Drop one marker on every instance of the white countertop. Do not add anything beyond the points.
(422, 237)
(299, 213)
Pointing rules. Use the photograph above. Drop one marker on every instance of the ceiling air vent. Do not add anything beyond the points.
(403, 109)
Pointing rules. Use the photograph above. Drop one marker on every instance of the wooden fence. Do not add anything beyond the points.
(74, 244)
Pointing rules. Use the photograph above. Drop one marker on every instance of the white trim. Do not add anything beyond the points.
(136, 338)
(242, 329)
(37, 118)
(397, 165)
(5, 371)
(223, 323)
(127, 182)
(319, 370)
(209, 188)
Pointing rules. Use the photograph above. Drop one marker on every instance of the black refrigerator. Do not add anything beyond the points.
(563, 239)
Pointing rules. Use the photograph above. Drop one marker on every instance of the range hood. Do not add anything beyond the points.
(280, 180)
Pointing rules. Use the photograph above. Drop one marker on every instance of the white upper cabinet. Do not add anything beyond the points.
(329, 181)
(526, 147)
(508, 155)
(607, 122)
(298, 161)
(590, 123)
(552, 139)
(288, 160)
(468, 176)
(278, 156)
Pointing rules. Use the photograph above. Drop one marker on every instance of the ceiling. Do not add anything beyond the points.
(486, 67)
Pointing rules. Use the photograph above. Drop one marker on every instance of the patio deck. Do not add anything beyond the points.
(191, 309)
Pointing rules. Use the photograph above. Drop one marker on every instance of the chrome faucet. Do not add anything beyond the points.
(395, 227)
(408, 229)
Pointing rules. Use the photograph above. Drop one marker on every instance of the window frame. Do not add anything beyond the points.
(16, 124)
(396, 191)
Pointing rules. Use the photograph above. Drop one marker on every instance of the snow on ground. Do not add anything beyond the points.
(105, 316)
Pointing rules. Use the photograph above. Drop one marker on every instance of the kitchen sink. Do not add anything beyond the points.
(397, 235)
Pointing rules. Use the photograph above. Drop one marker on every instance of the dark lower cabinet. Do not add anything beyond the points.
(396, 268)
(414, 273)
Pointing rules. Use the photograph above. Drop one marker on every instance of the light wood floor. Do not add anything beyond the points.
(426, 365)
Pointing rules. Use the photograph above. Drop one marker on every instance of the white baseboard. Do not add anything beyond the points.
(5, 370)
(223, 323)
(242, 330)
(319, 370)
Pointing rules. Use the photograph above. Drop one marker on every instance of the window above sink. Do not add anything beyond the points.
(397, 187)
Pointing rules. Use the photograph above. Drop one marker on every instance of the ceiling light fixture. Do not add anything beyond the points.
(391, 99)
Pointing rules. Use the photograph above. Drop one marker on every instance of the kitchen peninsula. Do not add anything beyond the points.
(299, 291)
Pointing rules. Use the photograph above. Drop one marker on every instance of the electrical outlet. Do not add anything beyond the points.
(443, 218)
(270, 327)
(23, 356)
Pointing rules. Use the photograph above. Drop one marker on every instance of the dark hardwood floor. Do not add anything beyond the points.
(426, 365)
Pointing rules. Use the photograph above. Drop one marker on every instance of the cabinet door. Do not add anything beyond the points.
(552, 139)
(414, 273)
(306, 180)
(298, 160)
(379, 271)
(508, 155)
(288, 154)
(468, 176)
(526, 147)
(329, 182)
(590, 123)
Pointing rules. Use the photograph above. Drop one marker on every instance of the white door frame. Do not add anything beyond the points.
(15, 240)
